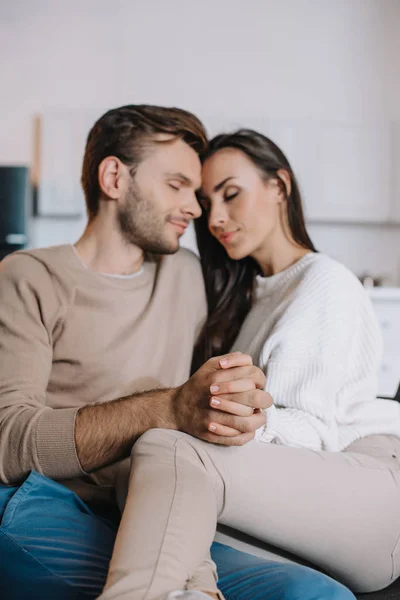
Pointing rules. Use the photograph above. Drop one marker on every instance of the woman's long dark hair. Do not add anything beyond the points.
(229, 283)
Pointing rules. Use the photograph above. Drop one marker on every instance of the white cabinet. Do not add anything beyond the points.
(354, 164)
(63, 138)
(348, 172)
(344, 169)
(395, 179)
(299, 142)
(386, 302)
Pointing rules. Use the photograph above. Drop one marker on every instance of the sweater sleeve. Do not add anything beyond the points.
(33, 436)
(322, 356)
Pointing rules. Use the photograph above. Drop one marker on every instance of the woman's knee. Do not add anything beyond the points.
(154, 443)
(157, 440)
(370, 575)
(163, 446)
(162, 440)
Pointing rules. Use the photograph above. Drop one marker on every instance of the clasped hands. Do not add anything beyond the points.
(221, 403)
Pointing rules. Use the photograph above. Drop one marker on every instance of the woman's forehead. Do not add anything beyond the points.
(225, 163)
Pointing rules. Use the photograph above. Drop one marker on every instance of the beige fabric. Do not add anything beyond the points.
(70, 337)
(340, 511)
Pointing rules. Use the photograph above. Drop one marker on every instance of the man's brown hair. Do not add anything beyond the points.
(125, 132)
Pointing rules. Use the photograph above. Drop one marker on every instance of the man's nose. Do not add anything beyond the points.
(192, 208)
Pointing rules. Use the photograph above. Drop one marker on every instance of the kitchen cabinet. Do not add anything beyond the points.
(344, 169)
(63, 137)
(298, 139)
(354, 163)
(386, 302)
(395, 175)
(348, 172)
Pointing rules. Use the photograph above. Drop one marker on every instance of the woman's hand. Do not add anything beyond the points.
(237, 384)
(238, 394)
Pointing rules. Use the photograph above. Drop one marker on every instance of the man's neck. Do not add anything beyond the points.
(102, 249)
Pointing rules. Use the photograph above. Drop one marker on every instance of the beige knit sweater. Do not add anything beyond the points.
(70, 337)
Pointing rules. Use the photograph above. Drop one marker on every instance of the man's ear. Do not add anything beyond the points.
(285, 180)
(109, 176)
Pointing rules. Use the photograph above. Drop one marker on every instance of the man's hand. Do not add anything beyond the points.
(105, 433)
(221, 402)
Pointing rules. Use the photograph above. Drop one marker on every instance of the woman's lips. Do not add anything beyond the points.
(226, 238)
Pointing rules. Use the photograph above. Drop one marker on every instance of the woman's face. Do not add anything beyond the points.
(244, 209)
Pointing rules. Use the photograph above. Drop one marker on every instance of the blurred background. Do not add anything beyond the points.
(321, 77)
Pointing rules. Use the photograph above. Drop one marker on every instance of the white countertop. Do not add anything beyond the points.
(383, 293)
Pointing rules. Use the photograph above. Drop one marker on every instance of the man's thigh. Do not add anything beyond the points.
(246, 577)
(52, 545)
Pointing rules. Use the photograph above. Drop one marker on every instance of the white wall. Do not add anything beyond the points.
(230, 61)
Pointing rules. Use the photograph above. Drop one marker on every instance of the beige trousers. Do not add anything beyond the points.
(339, 511)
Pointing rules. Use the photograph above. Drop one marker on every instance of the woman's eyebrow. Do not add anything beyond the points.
(222, 183)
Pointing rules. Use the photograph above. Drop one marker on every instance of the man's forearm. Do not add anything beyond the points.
(105, 433)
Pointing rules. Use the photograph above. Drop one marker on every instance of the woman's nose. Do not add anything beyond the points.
(217, 216)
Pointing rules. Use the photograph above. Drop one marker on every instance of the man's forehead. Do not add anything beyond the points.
(174, 155)
(164, 137)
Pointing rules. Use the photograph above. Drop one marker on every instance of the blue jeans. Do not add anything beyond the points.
(53, 546)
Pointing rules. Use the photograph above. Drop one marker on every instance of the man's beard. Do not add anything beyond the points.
(140, 224)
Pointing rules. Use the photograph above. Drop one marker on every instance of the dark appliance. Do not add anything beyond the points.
(14, 188)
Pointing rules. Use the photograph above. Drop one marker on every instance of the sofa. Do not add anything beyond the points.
(246, 543)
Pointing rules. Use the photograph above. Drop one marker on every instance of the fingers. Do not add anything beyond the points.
(228, 370)
(248, 373)
(219, 421)
(231, 361)
(232, 387)
(235, 386)
(233, 408)
(234, 359)
(242, 405)
(238, 440)
(223, 430)
(227, 361)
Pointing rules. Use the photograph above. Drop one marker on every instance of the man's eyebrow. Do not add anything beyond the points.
(180, 176)
(184, 178)
(222, 183)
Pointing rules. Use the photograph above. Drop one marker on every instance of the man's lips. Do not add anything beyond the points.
(180, 224)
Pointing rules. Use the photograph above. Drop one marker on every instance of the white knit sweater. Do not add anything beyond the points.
(313, 331)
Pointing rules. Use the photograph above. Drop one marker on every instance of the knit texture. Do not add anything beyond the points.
(71, 337)
(313, 331)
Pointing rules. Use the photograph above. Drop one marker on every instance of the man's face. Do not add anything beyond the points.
(160, 200)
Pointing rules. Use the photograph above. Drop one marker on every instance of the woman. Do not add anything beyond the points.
(322, 478)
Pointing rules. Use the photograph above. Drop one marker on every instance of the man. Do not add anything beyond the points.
(95, 349)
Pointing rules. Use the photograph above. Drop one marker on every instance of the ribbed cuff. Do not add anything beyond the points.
(55, 442)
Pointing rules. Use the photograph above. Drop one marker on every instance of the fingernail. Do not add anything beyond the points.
(212, 428)
(215, 402)
(223, 362)
(214, 389)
